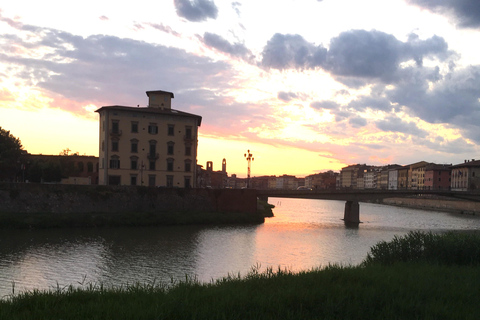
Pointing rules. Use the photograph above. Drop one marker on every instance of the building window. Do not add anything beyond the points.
(115, 126)
(188, 132)
(134, 127)
(170, 145)
(115, 163)
(188, 150)
(115, 145)
(89, 167)
(151, 165)
(81, 166)
(171, 130)
(187, 182)
(133, 180)
(170, 164)
(133, 163)
(134, 146)
(152, 128)
(169, 181)
(188, 165)
(151, 180)
(152, 151)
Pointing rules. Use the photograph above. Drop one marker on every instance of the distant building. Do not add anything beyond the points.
(210, 178)
(349, 176)
(416, 175)
(438, 176)
(64, 169)
(324, 180)
(466, 176)
(286, 182)
(262, 182)
(152, 146)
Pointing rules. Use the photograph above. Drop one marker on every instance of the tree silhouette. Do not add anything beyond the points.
(10, 154)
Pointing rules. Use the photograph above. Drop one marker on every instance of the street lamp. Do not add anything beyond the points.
(249, 158)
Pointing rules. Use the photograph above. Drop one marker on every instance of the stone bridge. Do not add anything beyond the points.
(353, 197)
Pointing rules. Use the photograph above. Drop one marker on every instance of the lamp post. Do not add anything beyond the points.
(249, 157)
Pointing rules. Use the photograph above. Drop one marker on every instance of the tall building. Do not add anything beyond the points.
(152, 146)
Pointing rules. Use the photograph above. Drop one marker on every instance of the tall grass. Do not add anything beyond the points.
(447, 248)
(409, 287)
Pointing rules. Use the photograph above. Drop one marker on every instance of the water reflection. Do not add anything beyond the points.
(303, 234)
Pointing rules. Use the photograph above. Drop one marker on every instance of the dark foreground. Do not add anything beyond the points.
(419, 276)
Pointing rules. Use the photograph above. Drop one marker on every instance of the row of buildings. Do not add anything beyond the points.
(157, 146)
(416, 176)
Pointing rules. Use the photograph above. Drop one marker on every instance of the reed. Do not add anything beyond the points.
(459, 248)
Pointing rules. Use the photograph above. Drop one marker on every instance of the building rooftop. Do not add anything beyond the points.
(171, 112)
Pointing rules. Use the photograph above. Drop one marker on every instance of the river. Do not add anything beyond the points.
(304, 234)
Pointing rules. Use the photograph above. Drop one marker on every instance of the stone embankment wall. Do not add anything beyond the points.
(466, 207)
(31, 198)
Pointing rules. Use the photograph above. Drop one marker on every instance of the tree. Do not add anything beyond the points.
(10, 153)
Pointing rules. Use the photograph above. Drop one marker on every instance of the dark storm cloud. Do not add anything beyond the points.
(465, 12)
(395, 124)
(196, 10)
(235, 50)
(292, 51)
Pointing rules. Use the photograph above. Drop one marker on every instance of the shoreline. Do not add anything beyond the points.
(436, 204)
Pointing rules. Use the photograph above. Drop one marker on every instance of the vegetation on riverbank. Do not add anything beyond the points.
(419, 276)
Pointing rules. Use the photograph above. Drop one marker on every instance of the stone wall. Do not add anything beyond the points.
(467, 207)
(31, 198)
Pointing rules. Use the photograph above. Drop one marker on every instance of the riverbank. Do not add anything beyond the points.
(436, 204)
(430, 277)
(56, 206)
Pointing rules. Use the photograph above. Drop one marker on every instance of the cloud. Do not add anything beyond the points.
(292, 52)
(289, 96)
(357, 122)
(355, 57)
(235, 50)
(465, 12)
(395, 124)
(196, 10)
(164, 28)
(325, 104)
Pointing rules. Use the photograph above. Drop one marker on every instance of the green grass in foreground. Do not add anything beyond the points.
(403, 289)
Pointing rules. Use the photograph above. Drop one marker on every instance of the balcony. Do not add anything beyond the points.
(188, 138)
(115, 133)
(152, 156)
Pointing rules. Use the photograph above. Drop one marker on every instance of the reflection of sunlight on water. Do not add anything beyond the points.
(304, 234)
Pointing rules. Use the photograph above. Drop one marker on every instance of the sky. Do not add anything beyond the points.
(306, 85)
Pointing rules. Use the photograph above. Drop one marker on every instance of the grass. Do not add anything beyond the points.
(416, 285)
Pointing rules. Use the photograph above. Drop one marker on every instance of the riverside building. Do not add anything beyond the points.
(151, 146)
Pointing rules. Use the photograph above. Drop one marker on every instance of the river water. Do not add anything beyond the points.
(304, 234)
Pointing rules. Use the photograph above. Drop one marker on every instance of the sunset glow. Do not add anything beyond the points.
(307, 86)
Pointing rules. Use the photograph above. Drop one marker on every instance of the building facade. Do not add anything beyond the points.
(152, 146)
(466, 176)
(437, 176)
